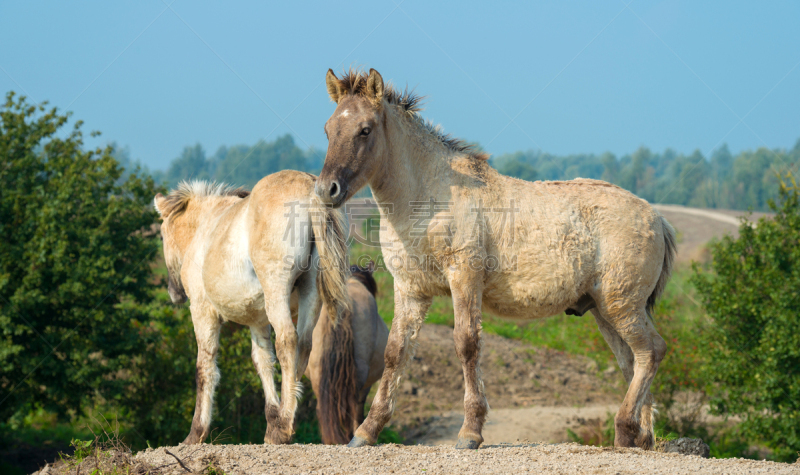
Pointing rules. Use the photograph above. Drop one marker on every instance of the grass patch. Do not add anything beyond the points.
(103, 454)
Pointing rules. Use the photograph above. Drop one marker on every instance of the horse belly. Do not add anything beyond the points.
(234, 289)
(418, 275)
(535, 288)
(525, 307)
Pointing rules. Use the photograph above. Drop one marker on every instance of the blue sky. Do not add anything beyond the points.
(563, 77)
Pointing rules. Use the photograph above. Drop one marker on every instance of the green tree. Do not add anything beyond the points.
(76, 245)
(743, 182)
(518, 169)
(247, 165)
(751, 294)
(191, 165)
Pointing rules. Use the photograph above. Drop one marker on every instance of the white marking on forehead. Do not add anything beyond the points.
(344, 113)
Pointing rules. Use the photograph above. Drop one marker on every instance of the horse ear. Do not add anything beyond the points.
(334, 90)
(375, 85)
(158, 202)
(371, 266)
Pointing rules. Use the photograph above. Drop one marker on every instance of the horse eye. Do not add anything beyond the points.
(365, 131)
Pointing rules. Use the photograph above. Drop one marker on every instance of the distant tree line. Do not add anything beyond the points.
(241, 165)
(745, 181)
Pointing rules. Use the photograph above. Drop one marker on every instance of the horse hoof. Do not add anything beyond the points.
(277, 436)
(278, 440)
(193, 438)
(358, 442)
(467, 444)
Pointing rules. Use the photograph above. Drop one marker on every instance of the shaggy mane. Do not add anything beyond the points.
(178, 198)
(354, 82)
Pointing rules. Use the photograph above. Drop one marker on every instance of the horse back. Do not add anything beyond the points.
(259, 239)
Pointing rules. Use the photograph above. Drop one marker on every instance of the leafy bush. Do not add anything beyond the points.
(753, 345)
(74, 264)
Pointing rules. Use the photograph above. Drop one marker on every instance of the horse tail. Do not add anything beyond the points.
(670, 248)
(329, 227)
(337, 396)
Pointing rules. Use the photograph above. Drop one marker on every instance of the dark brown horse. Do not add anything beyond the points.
(346, 359)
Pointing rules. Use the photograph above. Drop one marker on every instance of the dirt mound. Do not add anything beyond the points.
(545, 423)
(515, 375)
(516, 459)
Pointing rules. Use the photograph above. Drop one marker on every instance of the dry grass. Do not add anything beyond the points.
(107, 454)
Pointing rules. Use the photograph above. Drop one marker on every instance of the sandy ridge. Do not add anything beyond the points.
(508, 459)
(703, 213)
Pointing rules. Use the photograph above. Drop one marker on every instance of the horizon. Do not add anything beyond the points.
(210, 153)
(562, 79)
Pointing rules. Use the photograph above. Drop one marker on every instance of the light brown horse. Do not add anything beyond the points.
(254, 259)
(347, 359)
(452, 225)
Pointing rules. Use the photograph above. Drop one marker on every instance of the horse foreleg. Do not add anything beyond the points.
(409, 313)
(280, 424)
(467, 336)
(206, 330)
(263, 353)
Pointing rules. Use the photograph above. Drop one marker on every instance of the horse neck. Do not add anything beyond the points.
(414, 169)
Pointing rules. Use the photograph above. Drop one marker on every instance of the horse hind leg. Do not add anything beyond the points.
(639, 350)
(647, 436)
(263, 353)
(280, 424)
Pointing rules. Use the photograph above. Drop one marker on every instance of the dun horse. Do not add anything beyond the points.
(452, 225)
(347, 359)
(254, 259)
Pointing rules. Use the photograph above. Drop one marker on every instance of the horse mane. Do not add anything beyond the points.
(354, 82)
(177, 200)
(364, 276)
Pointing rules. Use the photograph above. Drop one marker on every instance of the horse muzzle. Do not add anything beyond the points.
(332, 192)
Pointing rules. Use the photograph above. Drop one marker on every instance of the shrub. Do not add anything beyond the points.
(74, 264)
(751, 294)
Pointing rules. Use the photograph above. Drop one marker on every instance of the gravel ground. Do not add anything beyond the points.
(511, 459)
